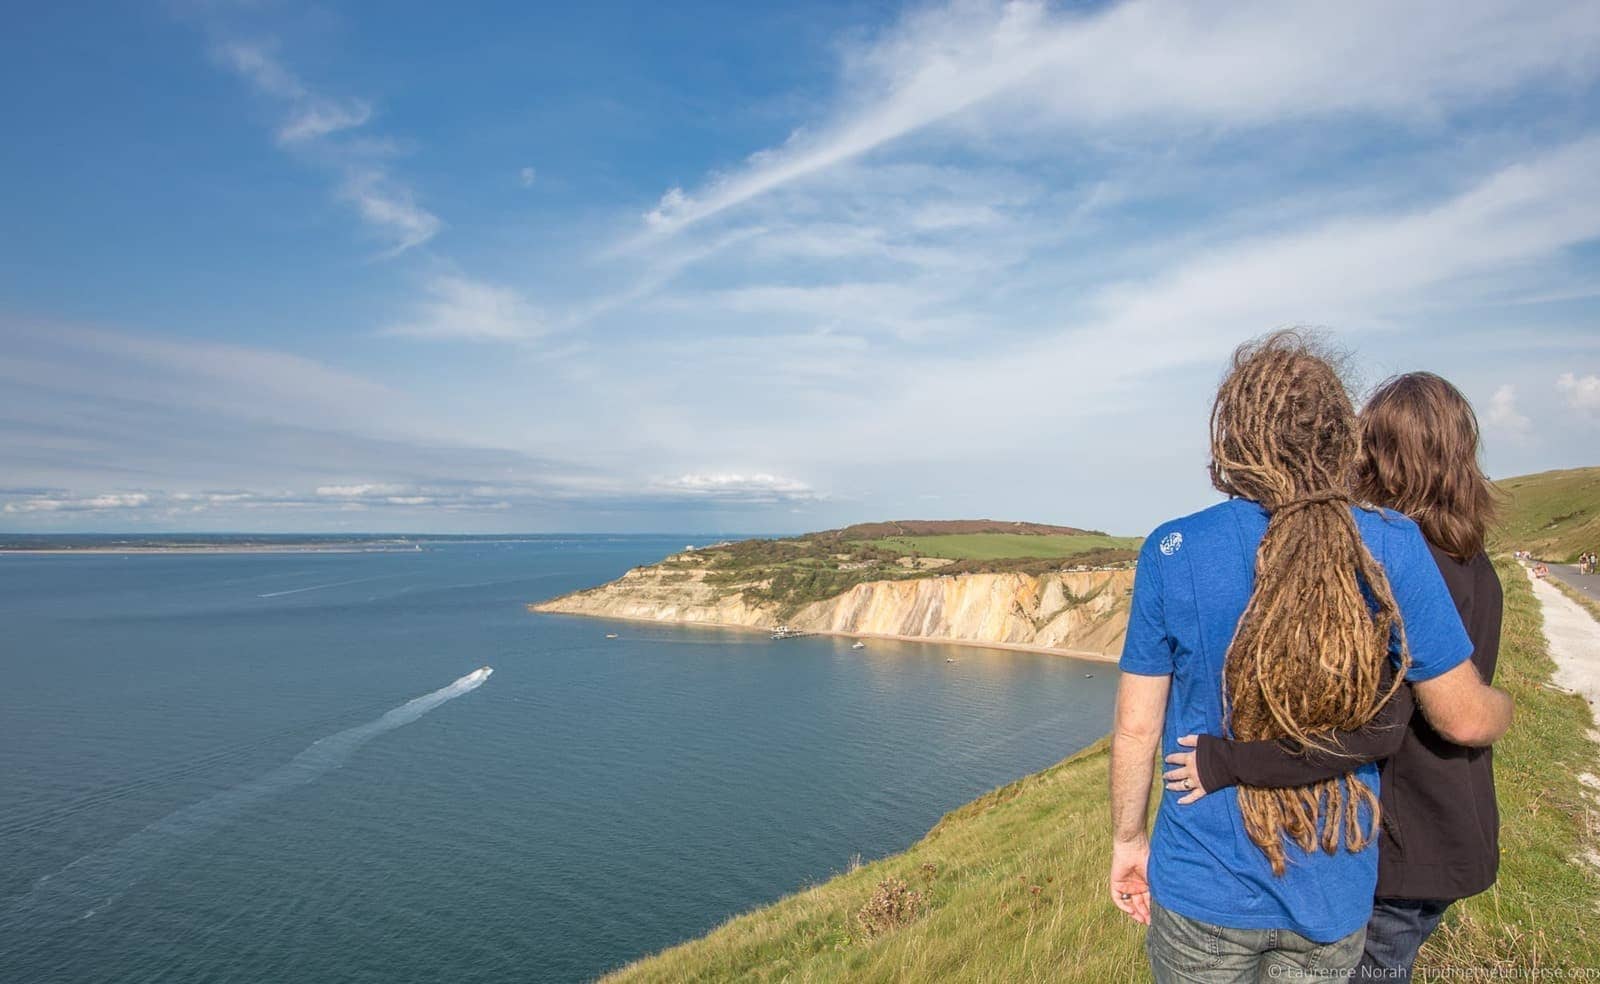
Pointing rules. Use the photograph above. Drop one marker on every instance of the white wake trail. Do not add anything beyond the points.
(95, 880)
(333, 584)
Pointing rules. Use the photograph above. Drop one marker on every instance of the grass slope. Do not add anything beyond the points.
(1014, 880)
(1555, 514)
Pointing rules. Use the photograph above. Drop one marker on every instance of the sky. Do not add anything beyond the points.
(700, 267)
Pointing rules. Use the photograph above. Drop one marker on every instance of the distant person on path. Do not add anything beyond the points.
(1276, 614)
(1440, 838)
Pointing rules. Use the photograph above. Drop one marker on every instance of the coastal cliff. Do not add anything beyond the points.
(1082, 612)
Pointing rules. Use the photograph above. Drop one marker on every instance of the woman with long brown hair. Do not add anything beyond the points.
(1286, 612)
(1440, 822)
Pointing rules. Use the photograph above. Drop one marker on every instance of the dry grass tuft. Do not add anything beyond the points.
(892, 904)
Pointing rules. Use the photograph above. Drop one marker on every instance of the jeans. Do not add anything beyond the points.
(1187, 951)
(1395, 933)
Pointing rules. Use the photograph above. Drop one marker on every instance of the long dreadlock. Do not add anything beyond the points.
(1308, 654)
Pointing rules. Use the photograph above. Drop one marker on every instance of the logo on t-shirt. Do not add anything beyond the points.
(1171, 542)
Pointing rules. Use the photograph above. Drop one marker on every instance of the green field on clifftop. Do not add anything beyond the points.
(1007, 546)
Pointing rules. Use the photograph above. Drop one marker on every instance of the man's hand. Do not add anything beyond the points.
(1130, 888)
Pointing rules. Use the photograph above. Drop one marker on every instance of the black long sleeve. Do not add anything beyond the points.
(1222, 763)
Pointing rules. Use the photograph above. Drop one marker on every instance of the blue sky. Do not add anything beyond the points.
(283, 266)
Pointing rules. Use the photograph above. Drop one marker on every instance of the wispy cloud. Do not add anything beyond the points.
(309, 115)
(1035, 70)
(310, 124)
(389, 205)
(472, 310)
(146, 430)
(755, 487)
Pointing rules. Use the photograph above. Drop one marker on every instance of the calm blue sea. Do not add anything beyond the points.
(210, 769)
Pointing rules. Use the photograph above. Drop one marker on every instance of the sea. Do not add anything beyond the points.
(291, 766)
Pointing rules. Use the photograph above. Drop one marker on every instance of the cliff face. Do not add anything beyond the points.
(1075, 611)
(1085, 611)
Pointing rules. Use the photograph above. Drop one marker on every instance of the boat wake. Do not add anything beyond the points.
(97, 879)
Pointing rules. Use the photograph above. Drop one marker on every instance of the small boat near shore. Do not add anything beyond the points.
(859, 645)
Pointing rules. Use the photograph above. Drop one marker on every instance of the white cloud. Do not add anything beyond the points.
(103, 502)
(1152, 62)
(1581, 392)
(357, 491)
(318, 119)
(1503, 413)
(463, 308)
(526, 177)
(384, 203)
(1078, 355)
(753, 487)
(390, 207)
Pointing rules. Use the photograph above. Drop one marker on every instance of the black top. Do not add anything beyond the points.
(1441, 825)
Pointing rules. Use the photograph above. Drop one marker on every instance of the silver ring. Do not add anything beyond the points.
(1188, 784)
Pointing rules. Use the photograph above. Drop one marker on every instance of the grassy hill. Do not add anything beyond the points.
(792, 572)
(1555, 514)
(1010, 887)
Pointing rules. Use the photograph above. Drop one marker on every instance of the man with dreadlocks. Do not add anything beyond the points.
(1286, 612)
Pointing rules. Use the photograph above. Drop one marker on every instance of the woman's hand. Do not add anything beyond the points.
(1186, 777)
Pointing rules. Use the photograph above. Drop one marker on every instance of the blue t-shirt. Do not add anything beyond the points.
(1195, 577)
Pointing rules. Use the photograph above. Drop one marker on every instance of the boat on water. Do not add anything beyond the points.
(859, 645)
(950, 659)
(611, 635)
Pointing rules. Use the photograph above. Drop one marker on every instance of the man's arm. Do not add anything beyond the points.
(1135, 738)
(1463, 708)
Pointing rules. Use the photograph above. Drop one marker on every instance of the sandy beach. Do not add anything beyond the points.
(864, 636)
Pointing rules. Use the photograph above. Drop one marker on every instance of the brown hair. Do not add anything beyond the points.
(1310, 648)
(1419, 455)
